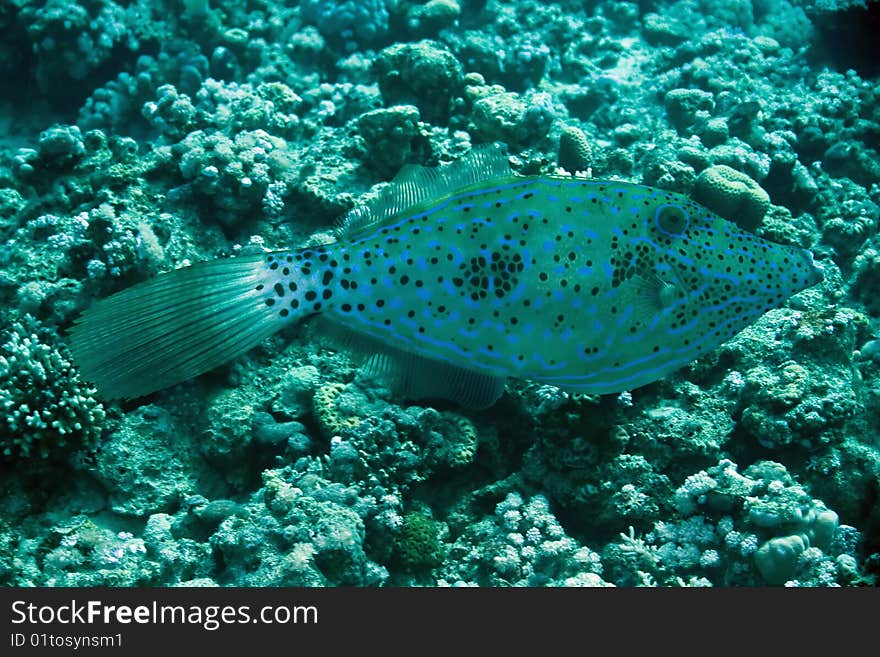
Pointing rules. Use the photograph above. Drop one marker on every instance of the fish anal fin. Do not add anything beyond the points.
(416, 377)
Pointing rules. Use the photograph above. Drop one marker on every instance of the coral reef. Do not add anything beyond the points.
(137, 137)
(521, 544)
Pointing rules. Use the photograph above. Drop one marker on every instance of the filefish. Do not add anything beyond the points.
(460, 276)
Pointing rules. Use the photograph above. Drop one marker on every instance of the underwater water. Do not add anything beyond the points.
(137, 137)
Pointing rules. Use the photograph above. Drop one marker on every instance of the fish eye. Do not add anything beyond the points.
(671, 220)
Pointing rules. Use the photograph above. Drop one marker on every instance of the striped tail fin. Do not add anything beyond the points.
(178, 325)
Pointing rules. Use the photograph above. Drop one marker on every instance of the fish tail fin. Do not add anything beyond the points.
(181, 324)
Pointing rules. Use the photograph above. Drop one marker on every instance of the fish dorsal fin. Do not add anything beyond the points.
(415, 377)
(415, 184)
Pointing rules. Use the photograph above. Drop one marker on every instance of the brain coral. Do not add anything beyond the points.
(733, 195)
(575, 153)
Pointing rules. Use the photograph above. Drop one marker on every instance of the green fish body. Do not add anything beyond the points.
(463, 276)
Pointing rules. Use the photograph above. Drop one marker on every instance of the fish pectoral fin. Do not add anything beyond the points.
(416, 377)
(650, 293)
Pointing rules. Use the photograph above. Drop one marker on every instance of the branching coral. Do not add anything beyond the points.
(47, 410)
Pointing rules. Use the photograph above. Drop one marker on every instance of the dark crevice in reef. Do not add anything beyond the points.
(848, 39)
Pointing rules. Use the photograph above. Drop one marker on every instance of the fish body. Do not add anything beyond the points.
(466, 279)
